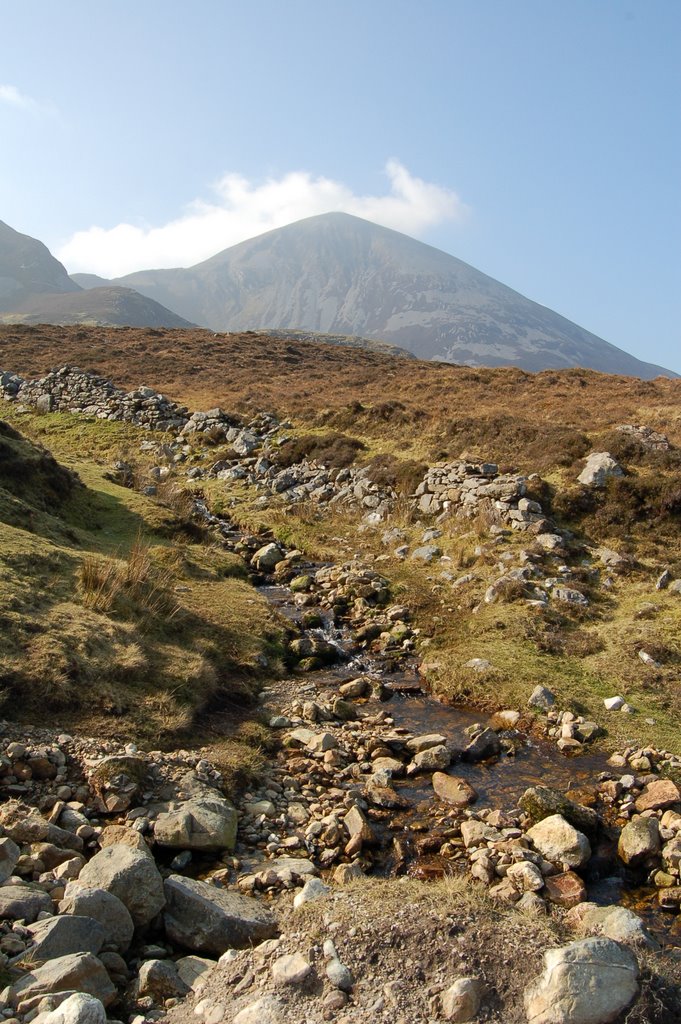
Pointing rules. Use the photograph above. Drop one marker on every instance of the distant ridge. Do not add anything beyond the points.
(35, 288)
(339, 274)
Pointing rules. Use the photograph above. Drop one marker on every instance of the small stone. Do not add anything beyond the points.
(461, 1001)
(292, 969)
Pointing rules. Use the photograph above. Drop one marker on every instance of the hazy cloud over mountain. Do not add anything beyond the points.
(244, 208)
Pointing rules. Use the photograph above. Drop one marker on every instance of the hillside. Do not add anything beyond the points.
(109, 306)
(339, 274)
(27, 267)
(35, 288)
(432, 407)
(466, 656)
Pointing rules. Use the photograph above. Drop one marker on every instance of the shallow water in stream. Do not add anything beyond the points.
(499, 784)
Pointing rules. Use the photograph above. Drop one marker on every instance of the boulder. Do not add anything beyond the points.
(78, 1008)
(54, 937)
(614, 922)
(132, 876)
(565, 890)
(525, 876)
(192, 968)
(540, 802)
(591, 981)
(205, 823)
(658, 795)
(9, 855)
(267, 557)
(24, 824)
(434, 759)
(599, 468)
(639, 840)
(118, 781)
(453, 789)
(206, 919)
(102, 907)
(541, 698)
(78, 972)
(560, 842)
(486, 744)
(160, 980)
(23, 902)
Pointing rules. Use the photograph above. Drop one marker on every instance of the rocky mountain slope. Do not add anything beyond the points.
(27, 267)
(35, 288)
(340, 274)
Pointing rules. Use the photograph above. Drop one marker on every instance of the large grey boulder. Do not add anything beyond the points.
(600, 466)
(160, 980)
(102, 907)
(129, 874)
(58, 936)
(23, 902)
(203, 918)
(78, 972)
(639, 840)
(206, 823)
(267, 557)
(591, 981)
(560, 842)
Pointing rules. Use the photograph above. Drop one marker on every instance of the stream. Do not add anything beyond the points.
(499, 783)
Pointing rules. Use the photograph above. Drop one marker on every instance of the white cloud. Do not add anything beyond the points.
(244, 208)
(10, 95)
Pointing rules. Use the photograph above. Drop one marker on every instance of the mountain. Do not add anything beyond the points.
(28, 267)
(35, 288)
(110, 306)
(340, 274)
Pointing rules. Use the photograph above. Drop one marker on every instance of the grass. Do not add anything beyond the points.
(409, 413)
(115, 616)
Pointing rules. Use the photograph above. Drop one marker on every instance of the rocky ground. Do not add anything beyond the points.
(373, 871)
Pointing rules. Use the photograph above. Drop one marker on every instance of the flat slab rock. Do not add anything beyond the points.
(79, 972)
(205, 919)
(588, 982)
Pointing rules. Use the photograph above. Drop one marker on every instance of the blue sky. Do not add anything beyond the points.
(536, 139)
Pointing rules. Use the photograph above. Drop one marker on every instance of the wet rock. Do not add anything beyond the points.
(206, 919)
(267, 557)
(419, 743)
(54, 937)
(453, 789)
(639, 840)
(23, 902)
(102, 907)
(565, 890)
(358, 828)
(79, 972)
(561, 843)
(206, 823)
(483, 746)
(587, 982)
(540, 802)
(434, 759)
(461, 1001)
(658, 795)
(129, 874)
